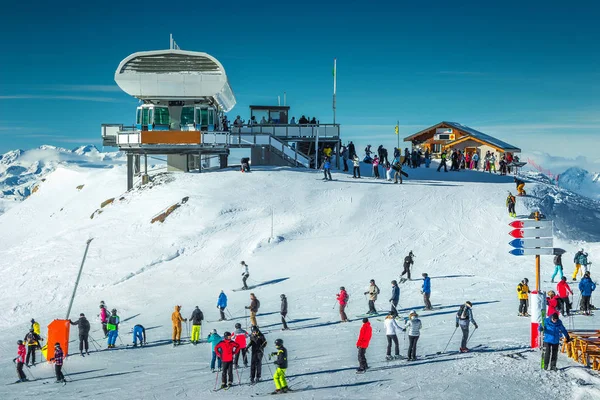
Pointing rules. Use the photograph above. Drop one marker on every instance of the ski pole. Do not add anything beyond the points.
(246, 317)
(334, 304)
(121, 340)
(216, 380)
(268, 366)
(238, 375)
(31, 373)
(455, 329)
(472, 333)
(230, 316)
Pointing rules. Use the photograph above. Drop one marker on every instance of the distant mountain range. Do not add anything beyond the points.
(580, 181)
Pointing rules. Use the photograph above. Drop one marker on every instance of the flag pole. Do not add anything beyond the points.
(334, 86)
(398, 132)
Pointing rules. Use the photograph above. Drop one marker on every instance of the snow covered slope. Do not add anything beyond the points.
(329, 234)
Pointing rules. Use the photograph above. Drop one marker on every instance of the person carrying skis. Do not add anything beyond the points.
(20, 360)
(84, 330)
(580, 259)
(558, 267)
(58, 363)
(104, 318)
(510, 204)
(139, 333)
(112, 325)
(586, 287)
(520, 186)
(552, 302)
(395, 298)
(196, 318)
(413, 325)
(257, 345)
(364, 337)
(392, 329)
(563, 289)
(226, 350)
(464, 317)
(356, 166)
(221, 305)
(214, 339)
(408, 262)
(283, 312)
(282, 364)
(33, 342)
(176, 320)
(426, 291)
(372, 291)
(245, 275)
(553, 329)
(342, 298)
(523, 293)
(240, 336)
(253, 307)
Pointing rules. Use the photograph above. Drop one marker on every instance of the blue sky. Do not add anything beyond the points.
(528, 73)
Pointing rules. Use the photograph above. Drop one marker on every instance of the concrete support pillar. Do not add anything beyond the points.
(129, 171)
(136, 164)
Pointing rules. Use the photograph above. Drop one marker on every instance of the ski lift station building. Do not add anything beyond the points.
(184, 96)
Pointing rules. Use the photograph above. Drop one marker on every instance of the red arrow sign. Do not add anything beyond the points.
(530, 223)
(531, 233)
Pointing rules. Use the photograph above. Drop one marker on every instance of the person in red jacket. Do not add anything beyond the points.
(342, 298)
(226, 350)
(20, 360)
(564, 290)
(364, 337)
(552, 301)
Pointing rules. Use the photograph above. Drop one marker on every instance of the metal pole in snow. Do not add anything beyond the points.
(272, 218)
(87, 246)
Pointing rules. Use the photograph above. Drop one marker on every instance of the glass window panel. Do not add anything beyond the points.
(187, 115)
(161, 116)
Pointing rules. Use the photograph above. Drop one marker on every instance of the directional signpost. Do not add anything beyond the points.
(529, 243)
(532, 233)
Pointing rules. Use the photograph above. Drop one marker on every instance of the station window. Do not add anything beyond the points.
(161, 116)
(211, 117)
(138, 117)
(145, 115)
(187, 115)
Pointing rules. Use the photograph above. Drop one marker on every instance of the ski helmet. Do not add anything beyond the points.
(278, 342)
(32, 321)
(282, 296)
(114, 311)
(525, 280)
(82, 315)
(57, 344)
(226, 334)
(394, 282)
(255, 328)
(19, 342)
(342, 288)
(238, 325)
(469, 304)
(102, 302)
(214, 331)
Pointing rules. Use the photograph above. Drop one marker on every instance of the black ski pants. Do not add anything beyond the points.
(362, 359)
(523, 306)
(426, 301)
(83, 342)
(227, 372)
(564, 305)
(390, 339)
(465, 336)
(20, 370)
(585, 304)
(283, 315)
(58, 372)
(30, 353)
(372, 306)
(222, 312)
(412, 347)
(511, 208)
(443, 164)
(406, 271)
(327, 173)
(550, 355)
(376, 171)
(244, 353)
(345, 165)
(356, 172)
(244, 277)
(256, 365)
(394, 310)
(104, 329)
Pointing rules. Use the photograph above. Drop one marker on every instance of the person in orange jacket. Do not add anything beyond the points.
(364, 337)
(176, 319)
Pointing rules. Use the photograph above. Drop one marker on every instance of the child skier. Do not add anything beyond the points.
(413, 325)
(282, 364)
(240, 337)
(20, 360)
(58, 363)
(364, 337)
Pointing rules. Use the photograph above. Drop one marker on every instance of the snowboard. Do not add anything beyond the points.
(404, 174)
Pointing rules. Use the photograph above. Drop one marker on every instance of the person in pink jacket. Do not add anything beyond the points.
(342, 298)
(104, 318)
(376, 167)
(552, 301)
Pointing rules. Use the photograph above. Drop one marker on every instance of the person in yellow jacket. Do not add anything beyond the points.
(35, 326)
(176, 319)
(523, 292)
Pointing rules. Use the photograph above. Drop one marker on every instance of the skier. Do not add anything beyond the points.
(372, 291)
(176, 320)
(464, 316)
(104, 318)
(35, 326)
(408, 262)
(413, 325)
(214, 338)
(586, 287)
(364, 337)
(245, 275)
(253, 307)
(510, 204)
(196, 318)
(564, 290)
(221, 305)
(553, 329)
(139, 333)
(395, 298)
(226, 350)
(391, 330)
(356, 166)
(397, 167)
(240, 336)
(282, 364)
(580, 259)
(84, 330)
(558, 267)
(58, 363)
(426, 291)
(520, 186)
(33, 342)
(112, 325)
(257, 345)
(326, 167)
(376, 167)
(20, 360)
(552, 302)
(284, 312)
(523, 293)
(342, 298)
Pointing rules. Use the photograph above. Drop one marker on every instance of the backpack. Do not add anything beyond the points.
(576, 258)
(257, 304)
(377, 287)
(461, 311)
(557, 260)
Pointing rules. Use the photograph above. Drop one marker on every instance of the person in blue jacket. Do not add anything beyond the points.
(553, 329)
(586, 287)
(395, 298)
(214, 338)
(221, 305)
(139, 333)
(426, 290)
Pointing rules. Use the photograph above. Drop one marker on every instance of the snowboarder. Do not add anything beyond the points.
(245, 275)
(196, 318)
(84, 330)
(214, 338)
(372, 291)
(395, 298)
(221, 305)
(226, 350)
(33, 342)
(586, 287)
(257, 346)
(558, 267)
(392, 329)
(139, 333)
(356, 166)
(104, 318)
(510, 204)
(552, 302)
(520, 186)
(342, 298)
(408, 262)
(112, 325)
(20, 360)
(176, 320)
(426, 291)
(523, 293)
(464, 316)
(413, 325)
(282, 364)
(253, 307)
(553, 329)
(397, 167)
(580, 259)
(364, 337)
(326, 167)
(564, 290)
(283, 311)
(240, 336)
(58, 363)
